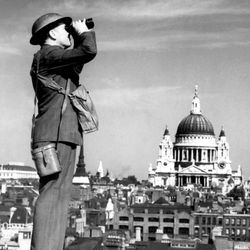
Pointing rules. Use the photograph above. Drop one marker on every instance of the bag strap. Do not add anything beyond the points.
(64, 105)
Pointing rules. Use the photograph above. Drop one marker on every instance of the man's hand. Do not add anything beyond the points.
(80, 26)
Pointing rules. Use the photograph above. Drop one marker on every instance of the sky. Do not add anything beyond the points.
(151, 54)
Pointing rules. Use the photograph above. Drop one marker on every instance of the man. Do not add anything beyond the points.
(57, 121)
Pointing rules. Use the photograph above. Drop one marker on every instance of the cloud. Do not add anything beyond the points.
(7, 49)
(139, 98)
(131, 10)
(179, 39)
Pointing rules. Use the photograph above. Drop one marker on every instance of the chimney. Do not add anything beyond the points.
(138, 234)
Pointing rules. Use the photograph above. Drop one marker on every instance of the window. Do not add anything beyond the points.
(204, 221)
(232, 221)
(197, 220)
(168, 230)
(238, 222)
(184, 231)
(209, 220)
(152, 229)
(123, 218)
(243, 222)
(220, 221)
(123, 227)
(214, 220)
(138, 219)
(233, 231)
(153, 219)
(168, 212)
(238, 231)
(227, 231)
(243, 231)
(170, 220)
(227, 221)
(184, 221)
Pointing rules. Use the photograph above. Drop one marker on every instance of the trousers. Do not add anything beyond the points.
(50, 214)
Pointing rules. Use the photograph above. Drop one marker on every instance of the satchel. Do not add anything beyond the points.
(46, 160)
(85, 109)
(82, 102)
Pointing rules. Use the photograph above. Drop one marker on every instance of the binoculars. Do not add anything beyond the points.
(89, 23)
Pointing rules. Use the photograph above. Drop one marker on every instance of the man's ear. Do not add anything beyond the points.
(52, 34)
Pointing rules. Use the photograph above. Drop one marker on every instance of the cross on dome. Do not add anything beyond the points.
(196, 106)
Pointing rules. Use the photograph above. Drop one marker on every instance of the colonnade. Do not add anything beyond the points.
(192, 179)
(196, 154)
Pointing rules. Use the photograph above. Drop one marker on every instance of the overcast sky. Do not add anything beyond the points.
(151, 54)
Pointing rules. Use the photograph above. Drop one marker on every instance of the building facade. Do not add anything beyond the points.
(152, 219)
(196, 157)
(17, 171)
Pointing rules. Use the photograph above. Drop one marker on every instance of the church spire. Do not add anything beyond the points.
(196, 106)
(81, 170)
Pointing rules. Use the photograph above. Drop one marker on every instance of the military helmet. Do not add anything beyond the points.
(44, 24)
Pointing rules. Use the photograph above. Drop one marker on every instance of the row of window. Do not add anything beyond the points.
(154, 219)
(236, 231)
(153, 229)
(152, 211)
(233, 221)
(208, 220)
(218, 221)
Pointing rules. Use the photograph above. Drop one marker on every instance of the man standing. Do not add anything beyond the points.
(57, 120)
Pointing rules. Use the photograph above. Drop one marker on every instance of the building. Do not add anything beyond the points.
(17, 171)
(157, 218)
(195, 158)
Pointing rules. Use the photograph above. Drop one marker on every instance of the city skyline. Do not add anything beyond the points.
(151, 54)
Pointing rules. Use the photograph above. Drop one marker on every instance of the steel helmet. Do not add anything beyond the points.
(45, 23)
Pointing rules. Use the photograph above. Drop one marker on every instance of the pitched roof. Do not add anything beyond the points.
(21, 216)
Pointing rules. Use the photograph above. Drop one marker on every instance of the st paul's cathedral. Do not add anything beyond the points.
(196, 158)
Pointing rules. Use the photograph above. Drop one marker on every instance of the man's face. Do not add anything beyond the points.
(62, 36)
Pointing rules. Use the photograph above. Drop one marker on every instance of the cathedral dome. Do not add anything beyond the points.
(195, 124)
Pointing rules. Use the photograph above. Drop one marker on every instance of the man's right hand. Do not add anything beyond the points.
(80, 26)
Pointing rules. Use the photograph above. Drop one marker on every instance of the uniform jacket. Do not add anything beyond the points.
(60, 64)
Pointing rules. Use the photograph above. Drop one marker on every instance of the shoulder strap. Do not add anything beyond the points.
(64, 105)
